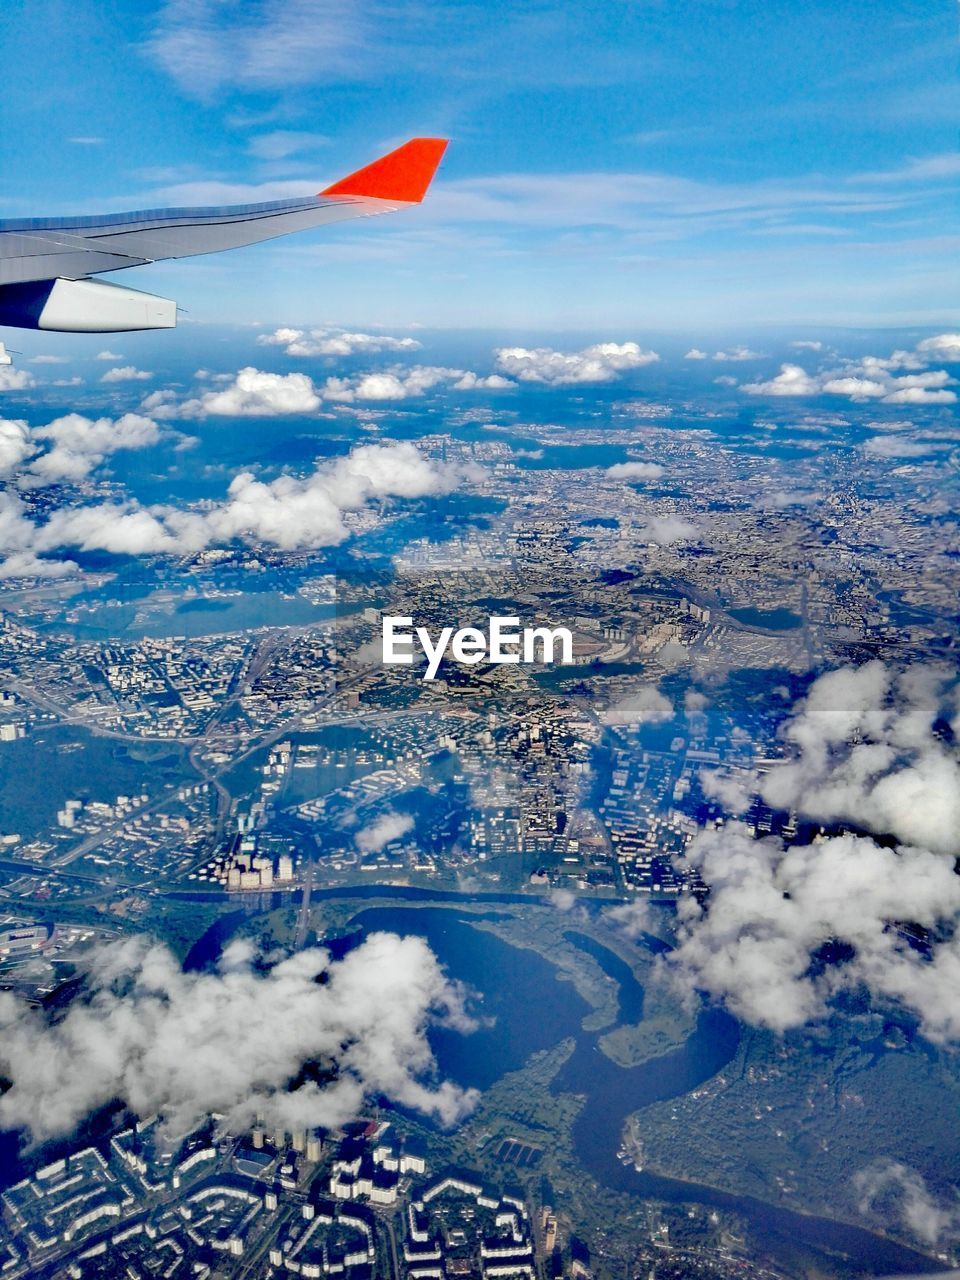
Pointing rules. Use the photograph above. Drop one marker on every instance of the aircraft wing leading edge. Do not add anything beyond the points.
(45, 263)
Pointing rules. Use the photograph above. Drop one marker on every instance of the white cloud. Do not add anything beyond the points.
(79, 444)
(632, 919)
(695, 702)
(288, 513)
(647, 706)
(16, 445)
(564, 900)
(732, 788)
(867, 753)
(334, 342)
(108, 355)
(895, 447)
(185, 1045)
(634, 471)
(696, 354)
(599, 363)
(855, 388)
(738, 353)
(253, 394)
(475, 382)
(920, 395)
(281, 143)
(24, 564)
(12, 379)
(945, 346)
(263, 45)
(806, 344)
(780, 499)
(771, 909)
(48, 360)
(792, 380)
(665, 530)
(889, 1190)
(869, 378)
(126, 373)
(396, 384)
(378, 834)
(871, 365)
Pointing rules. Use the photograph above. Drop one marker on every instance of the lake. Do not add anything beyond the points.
(768, 619)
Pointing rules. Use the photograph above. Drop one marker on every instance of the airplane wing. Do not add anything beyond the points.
(40, 252)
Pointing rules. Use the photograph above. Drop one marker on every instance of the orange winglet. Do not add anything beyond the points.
(403, 174)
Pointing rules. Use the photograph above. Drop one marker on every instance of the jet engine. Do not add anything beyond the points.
(83, 306)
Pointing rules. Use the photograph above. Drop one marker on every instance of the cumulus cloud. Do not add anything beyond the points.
(632, 919)
(695, 702)
(12, 379)
(868, 378)
(792, 380)
(601, 362)
(24, 564)
(564, 900)
(868, 751)
(664, 530)
(475, 382)
(893, 1191)
(376, 835)
(944, 346)
(396, 384)
(254, 392)
(806, 344)
(732, 788)
(634, 471)
(873, 746)
(251, 394)
(895, 447)
(730, 353)
(79, 444)
(920, 395)
(108, 355)
(126, 373)
(871, 382)
(647, 706)
(16, 445)
(737, 353)
(854, 387)
(334, 342)
(780, 499)
(289, 512)
(185, 1045)
(771, 910)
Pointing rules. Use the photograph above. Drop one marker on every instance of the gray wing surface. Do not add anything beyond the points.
(74, 248)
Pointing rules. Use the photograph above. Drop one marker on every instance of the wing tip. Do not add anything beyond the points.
(402, 175)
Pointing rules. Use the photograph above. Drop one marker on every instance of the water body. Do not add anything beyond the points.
(195, 616)
(768, 619)
(513, 983)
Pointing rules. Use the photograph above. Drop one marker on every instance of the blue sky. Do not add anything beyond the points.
(614, 166)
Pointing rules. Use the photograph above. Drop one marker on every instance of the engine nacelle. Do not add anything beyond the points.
(83, 306)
